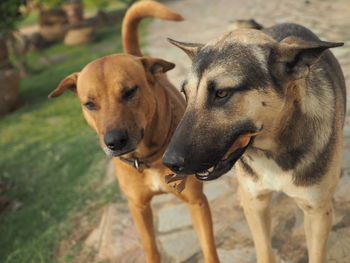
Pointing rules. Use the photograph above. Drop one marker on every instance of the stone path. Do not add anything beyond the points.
(116, 235)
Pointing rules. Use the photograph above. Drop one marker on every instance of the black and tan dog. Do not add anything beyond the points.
(277, 95)
(128, 101)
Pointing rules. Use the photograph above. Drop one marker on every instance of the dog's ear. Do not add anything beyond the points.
(70, 82)
(156, 65)
(191, 49)
(293, 56)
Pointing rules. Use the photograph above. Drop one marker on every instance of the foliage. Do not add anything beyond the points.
(51, 4)
(99, 4)
(10, 14)
(102, 4)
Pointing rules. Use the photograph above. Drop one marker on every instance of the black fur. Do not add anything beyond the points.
(314, 172)
(247, 168)
(202, 145)
(295, 140)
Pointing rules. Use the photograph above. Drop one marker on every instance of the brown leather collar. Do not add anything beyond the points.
(138, 163)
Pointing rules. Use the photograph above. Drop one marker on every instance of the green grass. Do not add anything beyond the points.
(111, 5)
(30, 19)
(50, 159)
(90, 8)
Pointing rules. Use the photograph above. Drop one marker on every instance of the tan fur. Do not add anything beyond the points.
(156, 108)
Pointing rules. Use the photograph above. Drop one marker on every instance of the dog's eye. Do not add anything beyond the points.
(90, 105)
(128, 94)
(220, 94)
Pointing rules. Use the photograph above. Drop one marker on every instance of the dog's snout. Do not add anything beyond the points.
(174, 162)
(116, 140)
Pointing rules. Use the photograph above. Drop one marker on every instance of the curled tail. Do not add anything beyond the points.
(134, 15)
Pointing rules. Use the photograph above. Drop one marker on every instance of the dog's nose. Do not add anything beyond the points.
(116, 139)
(174, 162)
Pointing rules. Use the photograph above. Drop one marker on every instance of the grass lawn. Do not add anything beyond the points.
(89, 9)
(50, 159)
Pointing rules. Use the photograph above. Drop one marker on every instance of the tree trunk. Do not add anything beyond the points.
(9, 89)
(4, 56)
(52, 25)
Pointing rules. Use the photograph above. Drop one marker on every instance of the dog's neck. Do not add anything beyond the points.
(158, 132)
(302, 131)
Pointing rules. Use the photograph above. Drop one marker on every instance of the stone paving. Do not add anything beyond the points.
(116, 237)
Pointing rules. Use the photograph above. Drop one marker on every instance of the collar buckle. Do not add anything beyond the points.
(137, 165)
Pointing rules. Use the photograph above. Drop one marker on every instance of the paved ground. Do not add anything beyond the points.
(116, 235)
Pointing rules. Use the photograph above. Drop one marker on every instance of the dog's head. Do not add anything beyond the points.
(239, 84)
(117, 97)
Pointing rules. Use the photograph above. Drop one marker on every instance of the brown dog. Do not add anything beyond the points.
(134, 109)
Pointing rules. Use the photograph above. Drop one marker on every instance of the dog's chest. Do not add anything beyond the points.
(268, 176)
(154, 180)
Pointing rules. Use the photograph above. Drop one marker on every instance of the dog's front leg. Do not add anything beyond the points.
(201, 218)
(317, 223)
(143, 219)
(198, 206)
(257, 213)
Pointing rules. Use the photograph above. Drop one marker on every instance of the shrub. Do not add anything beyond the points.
(10, 14)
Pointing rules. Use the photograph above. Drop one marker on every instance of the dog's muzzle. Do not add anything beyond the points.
(118, 142)
(229, 159)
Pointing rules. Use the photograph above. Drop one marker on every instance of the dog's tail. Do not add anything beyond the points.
(134, 15)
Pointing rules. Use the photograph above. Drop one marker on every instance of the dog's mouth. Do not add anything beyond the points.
(237, 149)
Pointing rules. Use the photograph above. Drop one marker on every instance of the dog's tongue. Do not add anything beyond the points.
(241, 142)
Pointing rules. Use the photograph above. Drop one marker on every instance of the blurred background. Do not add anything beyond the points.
(58, 198)
(51, 167)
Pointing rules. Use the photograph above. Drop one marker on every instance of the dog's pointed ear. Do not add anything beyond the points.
(191, 49)
(156, 65)
(294, 56)
(70, 82)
